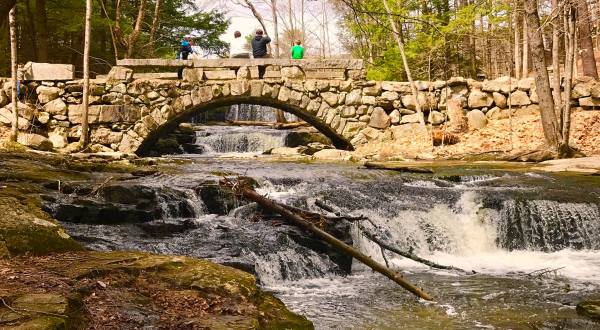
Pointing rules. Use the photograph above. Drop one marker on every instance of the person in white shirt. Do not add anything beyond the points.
(239, 47)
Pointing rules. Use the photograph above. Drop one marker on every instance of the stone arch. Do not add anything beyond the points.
(143, 135)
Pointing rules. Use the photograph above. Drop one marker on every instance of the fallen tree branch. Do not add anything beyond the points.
(404, 254)
(247, 193)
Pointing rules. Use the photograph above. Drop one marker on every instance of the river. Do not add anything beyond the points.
(529, 242)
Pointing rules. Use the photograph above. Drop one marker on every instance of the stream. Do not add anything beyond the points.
(530, 242)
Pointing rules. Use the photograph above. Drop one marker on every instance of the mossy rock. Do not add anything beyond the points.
(590, 308)
(24, 228)
(188, 277)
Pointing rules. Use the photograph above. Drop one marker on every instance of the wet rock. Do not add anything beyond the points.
(124, 203)
(590, 308)
(217, 200)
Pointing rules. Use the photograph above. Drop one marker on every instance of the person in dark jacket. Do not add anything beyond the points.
(259, 45)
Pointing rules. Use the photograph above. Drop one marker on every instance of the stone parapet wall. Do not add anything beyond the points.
(125, 114)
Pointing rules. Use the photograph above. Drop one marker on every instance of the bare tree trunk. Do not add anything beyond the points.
(536, 46)
(525, 72)
(556, 58)
(292, 26)
(12, 23)
(302, 22)
(413, 86)
(86, 74)
(137, 30)
(586, 45)
(276, 28)
(155, 21)
(569, 68)
(517, 33)
(41, 23)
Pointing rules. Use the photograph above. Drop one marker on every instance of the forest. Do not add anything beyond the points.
(442, 38)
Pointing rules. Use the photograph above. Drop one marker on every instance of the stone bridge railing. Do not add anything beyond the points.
(127, 114)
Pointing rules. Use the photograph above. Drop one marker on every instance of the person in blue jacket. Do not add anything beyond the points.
(185, 49)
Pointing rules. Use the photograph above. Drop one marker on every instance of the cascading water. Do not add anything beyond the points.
(251, 112)
(501, 225)
(234, 139)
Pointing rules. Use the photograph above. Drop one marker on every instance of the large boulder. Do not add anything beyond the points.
(500, 100)
(519, 99)
(49, 72)
(411, 119)
(47, 94)
(476, 119)
(436, 118)
(379, 119)
(58, 141)
(35, 141)
(478, 99)
(56, 107)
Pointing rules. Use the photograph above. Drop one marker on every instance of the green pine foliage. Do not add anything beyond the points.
(64, 26)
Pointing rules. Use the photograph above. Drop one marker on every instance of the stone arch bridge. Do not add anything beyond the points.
(133, 104)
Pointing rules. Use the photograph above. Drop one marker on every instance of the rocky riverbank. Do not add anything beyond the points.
(49, 281)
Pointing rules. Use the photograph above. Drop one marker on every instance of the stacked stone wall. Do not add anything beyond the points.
(124, 113)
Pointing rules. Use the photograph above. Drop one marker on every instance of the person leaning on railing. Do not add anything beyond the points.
(238, 47)
(259, 45)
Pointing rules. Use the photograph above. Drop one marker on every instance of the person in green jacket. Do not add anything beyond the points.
(298, 51)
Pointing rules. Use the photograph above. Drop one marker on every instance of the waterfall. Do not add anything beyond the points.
(218, 139)
(251, 112)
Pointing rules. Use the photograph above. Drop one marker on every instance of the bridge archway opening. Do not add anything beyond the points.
(336, 139)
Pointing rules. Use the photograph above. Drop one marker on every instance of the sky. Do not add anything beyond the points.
(242, 20)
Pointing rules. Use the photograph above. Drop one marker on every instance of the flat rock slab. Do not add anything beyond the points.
(46, 71)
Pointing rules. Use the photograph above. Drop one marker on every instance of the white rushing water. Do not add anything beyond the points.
(233, 139)
(466, 236)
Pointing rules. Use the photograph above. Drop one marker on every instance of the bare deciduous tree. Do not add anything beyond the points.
(12, 22)
(86, 74)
